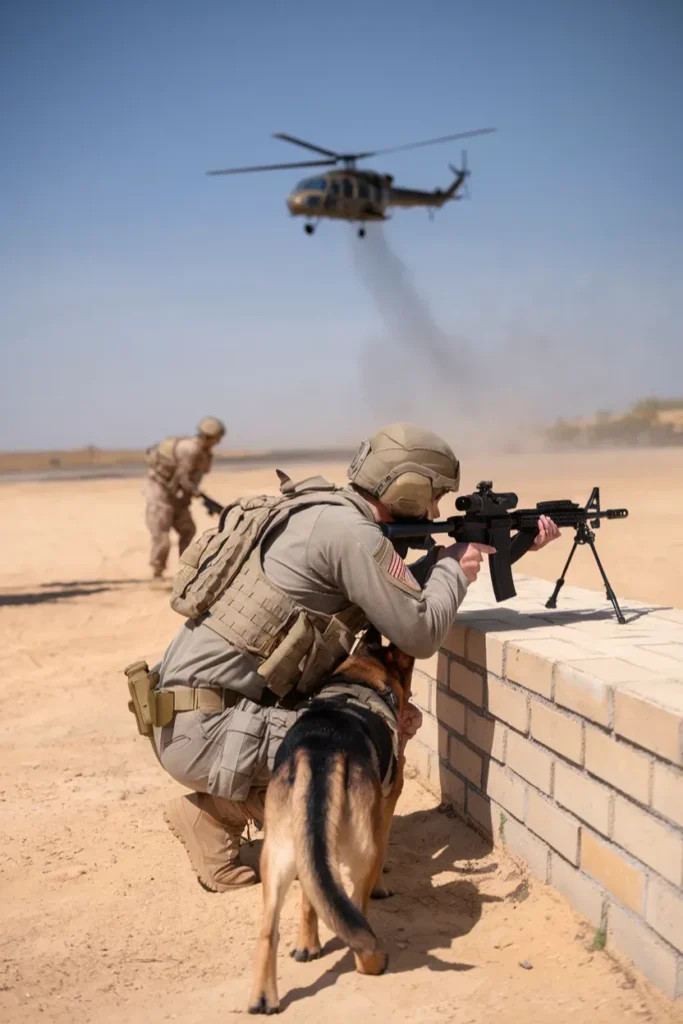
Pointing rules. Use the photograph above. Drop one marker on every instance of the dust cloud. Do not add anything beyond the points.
(488, 395)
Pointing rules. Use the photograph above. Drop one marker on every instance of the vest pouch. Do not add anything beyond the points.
(280, 670)
(243, 757)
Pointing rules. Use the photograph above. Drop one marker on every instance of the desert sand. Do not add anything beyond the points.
(101, 918)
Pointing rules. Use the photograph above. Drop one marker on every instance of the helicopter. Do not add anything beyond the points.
(356, 195)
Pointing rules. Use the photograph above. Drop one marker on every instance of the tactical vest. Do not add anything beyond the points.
(221, 583)
(161, 459)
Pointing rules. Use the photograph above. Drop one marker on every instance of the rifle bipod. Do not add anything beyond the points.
(586, 536)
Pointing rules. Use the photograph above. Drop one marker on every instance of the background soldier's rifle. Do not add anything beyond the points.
(214, 508)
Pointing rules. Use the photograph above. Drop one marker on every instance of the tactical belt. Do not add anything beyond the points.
(201, 698)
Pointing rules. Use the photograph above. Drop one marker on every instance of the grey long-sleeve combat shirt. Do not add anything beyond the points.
(324, 557)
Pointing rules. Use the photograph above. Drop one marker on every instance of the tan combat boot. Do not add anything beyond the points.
(210, 828)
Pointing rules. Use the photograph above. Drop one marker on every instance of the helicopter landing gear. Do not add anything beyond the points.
(361, 232)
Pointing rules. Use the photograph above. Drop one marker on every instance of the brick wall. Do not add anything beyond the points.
(560, 734)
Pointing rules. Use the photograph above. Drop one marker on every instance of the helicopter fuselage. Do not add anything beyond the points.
(355, 195)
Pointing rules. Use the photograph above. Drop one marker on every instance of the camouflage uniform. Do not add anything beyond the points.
(168, 504)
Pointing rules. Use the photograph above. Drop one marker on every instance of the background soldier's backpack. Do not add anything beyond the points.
(161, 459)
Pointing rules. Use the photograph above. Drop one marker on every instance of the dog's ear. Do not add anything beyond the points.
(370, 645)
(371, 637)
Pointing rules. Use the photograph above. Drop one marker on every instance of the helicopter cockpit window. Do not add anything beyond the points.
(348, 188)
(312, 185)
(363, 190)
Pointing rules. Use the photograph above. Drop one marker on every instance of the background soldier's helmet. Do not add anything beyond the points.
(211, 427)
(405, 467)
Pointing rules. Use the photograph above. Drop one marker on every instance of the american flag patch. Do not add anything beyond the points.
(400, 571)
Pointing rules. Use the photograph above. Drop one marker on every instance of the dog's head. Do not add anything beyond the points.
(380, 666)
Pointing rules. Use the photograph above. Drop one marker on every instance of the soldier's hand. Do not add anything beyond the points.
(410, 721)
(547, 532)
(469, 557)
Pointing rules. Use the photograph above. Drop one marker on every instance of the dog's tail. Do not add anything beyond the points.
(319, 804)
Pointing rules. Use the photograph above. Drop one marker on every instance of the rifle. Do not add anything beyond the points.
(214, 508)
(489, 519)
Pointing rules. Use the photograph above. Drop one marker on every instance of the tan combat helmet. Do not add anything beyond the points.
(211, 427)
(405, 467)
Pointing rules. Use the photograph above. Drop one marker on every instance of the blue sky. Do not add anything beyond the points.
(138, 294)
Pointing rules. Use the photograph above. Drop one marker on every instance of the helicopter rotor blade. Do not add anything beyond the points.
(274, 167)
(306, 145)
(428, 142)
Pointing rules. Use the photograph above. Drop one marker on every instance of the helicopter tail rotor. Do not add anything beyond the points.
(461, 175)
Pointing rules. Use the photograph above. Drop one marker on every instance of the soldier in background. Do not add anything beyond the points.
(176, 467)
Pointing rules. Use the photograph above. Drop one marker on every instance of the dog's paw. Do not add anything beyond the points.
(263, 1006)
(302, 956)
(380, 892)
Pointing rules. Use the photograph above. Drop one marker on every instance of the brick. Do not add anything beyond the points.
(455, 641)
(417, 758)
(531, 663)
(526, 845)
(434, 771)
(672, 650)
(485, 733)
(664, 912)
(511, 705)
(466, 683)
(450, 711)
(428, 733)
(557, 730)
(421, 691)
(506, 789)
(530, 670)
(625, 768)
(443, 668)
(481, 810)
(485, 648)
(652, 717)
(452, 788)
(579, 688)
(465, 761)
(667, 796)
(444, 737)
(555, 826)
(658, 962)
(650, 666)
(614, 667)
(426, 765)
(603, 862)
(588, 800)
(582, 893)
(428, 666)
(658, 845)
(532, 763)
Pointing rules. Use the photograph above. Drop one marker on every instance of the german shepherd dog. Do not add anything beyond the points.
(330, 802)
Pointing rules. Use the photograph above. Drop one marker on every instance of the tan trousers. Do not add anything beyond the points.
(161, 516)
(224, 753)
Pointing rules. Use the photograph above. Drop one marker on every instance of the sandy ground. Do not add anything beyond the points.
(100, 917)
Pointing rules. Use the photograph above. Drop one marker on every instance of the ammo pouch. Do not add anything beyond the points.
(151, 707)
